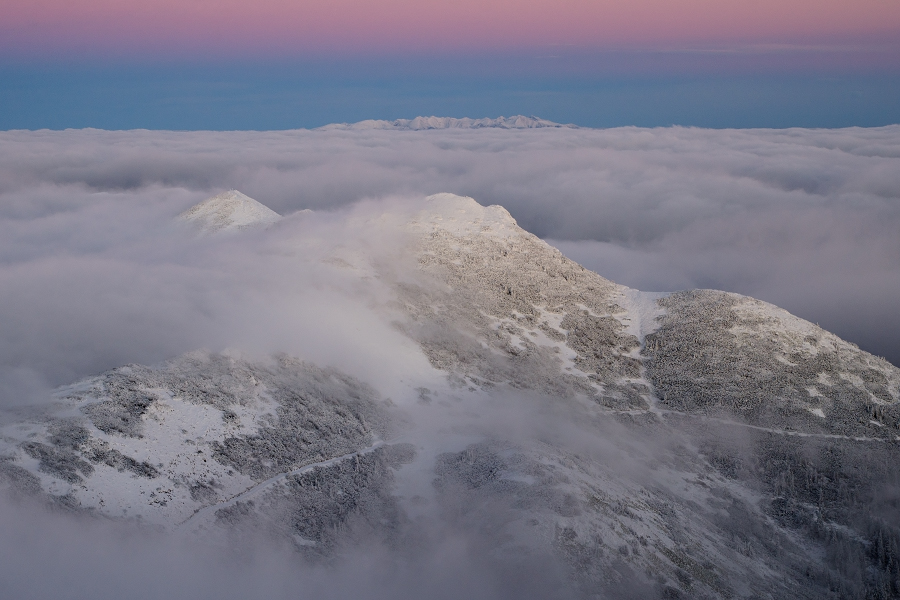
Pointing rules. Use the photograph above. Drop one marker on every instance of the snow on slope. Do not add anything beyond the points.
(158, 444)
(229, 211)
(463, 216)
(424, 123)
(668, 443)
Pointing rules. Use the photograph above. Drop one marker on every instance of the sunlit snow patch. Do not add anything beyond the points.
(229, 211)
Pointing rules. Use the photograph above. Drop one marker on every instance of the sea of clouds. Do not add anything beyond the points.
(94, 274)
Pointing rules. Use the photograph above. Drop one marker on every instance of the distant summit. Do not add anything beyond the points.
(424, 123)
(229, 211)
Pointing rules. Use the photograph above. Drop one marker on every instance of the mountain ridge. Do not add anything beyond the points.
(694, 444)
(429, 123)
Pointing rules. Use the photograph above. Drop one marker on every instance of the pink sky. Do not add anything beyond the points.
(215, 27)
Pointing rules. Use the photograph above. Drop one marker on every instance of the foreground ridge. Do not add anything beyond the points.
(697, 444)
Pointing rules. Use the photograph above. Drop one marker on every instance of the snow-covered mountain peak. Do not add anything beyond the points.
(426, 123)
(229, 211)
(463, 216)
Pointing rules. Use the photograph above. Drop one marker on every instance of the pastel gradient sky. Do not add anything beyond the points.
(278, 64)
(290, 27)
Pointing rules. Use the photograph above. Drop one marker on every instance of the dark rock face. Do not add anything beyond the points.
(100, 452)
(60, 462)
(317, 510)
(122, 414)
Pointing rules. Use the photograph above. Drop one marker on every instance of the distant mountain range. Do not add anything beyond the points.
(423, 123)
(698, 444)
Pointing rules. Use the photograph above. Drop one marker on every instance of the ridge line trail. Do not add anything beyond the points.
(833, 436)
(661, 412)
(262, 485)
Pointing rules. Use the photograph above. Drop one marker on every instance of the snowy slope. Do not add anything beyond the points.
(158, 444)
(229, 211)
(696, 444)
